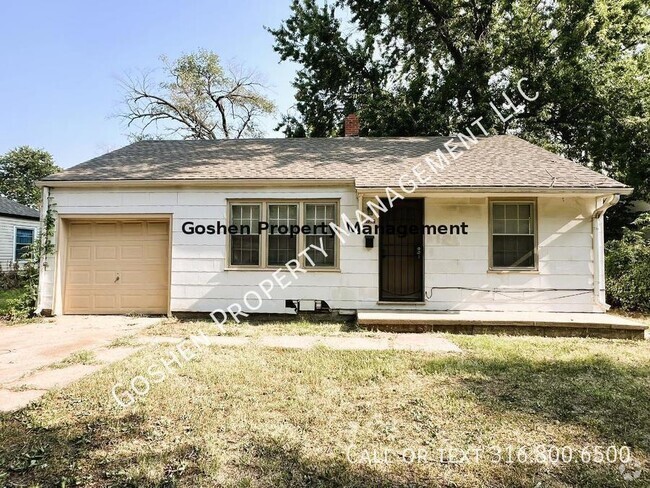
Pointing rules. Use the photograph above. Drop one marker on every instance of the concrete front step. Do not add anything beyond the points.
(531, 323)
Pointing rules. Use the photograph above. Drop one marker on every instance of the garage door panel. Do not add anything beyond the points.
(81, 302)
(106, 252)
(149, 278)
(79, 252)
(142, 301)
(105, 230)
(156, 252)
(99, 252)
(157, 228)
(132, 251)
(80, 231)
(79, 277)
(133, 229)
(105, 301)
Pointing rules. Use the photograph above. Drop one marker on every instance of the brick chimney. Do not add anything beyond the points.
(352, 125)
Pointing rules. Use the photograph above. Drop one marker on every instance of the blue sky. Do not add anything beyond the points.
(60, 61)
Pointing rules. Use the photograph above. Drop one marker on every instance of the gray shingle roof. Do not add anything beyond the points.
(9, 207)
(497, 161)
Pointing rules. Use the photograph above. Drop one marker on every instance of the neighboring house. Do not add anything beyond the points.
(509, 227)
(18, 229)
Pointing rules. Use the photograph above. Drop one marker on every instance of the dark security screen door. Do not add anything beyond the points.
(401, 257)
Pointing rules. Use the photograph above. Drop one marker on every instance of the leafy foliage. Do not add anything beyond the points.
(197, 98)
(627, 263)
(24, 305)
(9, 277)
(20, 169)
(424, 67)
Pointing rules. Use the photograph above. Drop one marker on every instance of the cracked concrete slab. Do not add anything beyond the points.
(14, 400)
(29, 350)
(54, 378)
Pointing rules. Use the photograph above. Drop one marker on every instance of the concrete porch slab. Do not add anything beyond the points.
(533, 323)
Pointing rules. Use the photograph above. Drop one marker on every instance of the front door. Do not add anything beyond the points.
(401, 254)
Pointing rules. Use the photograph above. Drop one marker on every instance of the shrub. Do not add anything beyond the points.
(9, 277)
(627, 264)
(24, 305)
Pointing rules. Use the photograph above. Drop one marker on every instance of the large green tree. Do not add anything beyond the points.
(425, 67)
(195, 97)
(20, 169)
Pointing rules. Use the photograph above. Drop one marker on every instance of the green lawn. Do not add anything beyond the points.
(296, 326)
(264, 417)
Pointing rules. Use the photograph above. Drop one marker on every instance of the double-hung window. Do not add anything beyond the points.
(271, 245)
(513, 235)
(245, 246)
(24, 238)
(282, 246)
(319, 216)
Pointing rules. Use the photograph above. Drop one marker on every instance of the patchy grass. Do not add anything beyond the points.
(266, 417)
(78, 357)
(128, 341)
(297, 326)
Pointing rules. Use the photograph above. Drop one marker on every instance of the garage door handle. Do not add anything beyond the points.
(117, 278)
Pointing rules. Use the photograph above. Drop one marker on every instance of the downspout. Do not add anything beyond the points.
(598, 233)
(45, 195)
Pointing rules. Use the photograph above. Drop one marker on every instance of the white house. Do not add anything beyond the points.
(18, 229)
(492, 224)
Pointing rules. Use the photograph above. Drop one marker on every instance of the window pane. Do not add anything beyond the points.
(24, 238)
(245, 248)
(282, 247)
(517, 220)
(321, 214)
(246, 214)
(317, 256)
(283, 214)
(511, 227)
(499, 226)
(514, 251)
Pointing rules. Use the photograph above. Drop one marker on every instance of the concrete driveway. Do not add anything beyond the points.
(27, 352)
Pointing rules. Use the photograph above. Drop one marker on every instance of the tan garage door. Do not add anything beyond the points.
(115, 267)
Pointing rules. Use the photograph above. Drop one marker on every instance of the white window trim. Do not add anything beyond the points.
(264, 202)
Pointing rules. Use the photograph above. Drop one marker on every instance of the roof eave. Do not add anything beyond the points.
(511, 189)
(214, 183)
(18, 216)
(315, 182)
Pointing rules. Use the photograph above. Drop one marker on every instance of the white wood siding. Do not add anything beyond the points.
(456, 266)
(8, 233)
